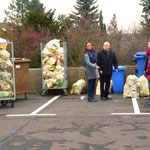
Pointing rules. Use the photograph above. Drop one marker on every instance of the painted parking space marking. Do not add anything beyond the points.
(28, 115)
(124, 114)
(35, 113)
(45, 105)
(135, 107)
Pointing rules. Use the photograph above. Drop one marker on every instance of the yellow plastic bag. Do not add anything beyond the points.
(46, 53)
(50, 82)
(4, 54)
(143, 86)
(78, 87)
(98, 90)
(60, 54)
(131, 88)
(6, 94)
(5, 86)
(2, 44)
(48, 74)
(53, 45)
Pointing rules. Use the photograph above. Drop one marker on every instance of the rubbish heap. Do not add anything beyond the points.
(53, 64)
(78, 87)
(143, 86)
(135, 87)
(6, 82)
(131, 87)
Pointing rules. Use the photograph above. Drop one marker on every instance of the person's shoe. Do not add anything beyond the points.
(92, 100)
(104, 99)
(147, 98)
(108, 98)
(95, 100)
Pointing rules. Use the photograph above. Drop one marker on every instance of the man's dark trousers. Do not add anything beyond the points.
(105, 84)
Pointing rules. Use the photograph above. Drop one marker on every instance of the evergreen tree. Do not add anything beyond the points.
(101, 22)
(64, 21)
(35, 4)
(112, 28)
(146, 16)
(18, 9)
(42, 21)
(61, 18)
(85, 10)
(65, 25)
(146, 6)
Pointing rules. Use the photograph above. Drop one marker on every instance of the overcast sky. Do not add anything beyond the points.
(128, 12)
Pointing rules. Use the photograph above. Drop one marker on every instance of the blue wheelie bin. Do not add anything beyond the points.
(118, 80)
(140, 59)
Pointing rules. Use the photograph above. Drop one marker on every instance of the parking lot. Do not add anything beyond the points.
(57, 122)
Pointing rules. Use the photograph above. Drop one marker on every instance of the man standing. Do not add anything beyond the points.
(106, 59)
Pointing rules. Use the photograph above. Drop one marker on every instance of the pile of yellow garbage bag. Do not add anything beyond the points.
(135, 87)
(78, 87)
(6, 82)
(53, 64)
(143, 86)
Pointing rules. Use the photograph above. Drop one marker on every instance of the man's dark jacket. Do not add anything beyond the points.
(147, 57)
(106, 60)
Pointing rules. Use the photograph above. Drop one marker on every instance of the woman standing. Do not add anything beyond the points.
(91, 70)
(147, 67)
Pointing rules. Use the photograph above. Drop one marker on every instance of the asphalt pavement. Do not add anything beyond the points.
(61, 122)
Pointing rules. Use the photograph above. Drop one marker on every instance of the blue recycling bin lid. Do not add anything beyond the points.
(119, 68)
(139, 55)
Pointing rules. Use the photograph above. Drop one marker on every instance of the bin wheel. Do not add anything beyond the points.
(65, 93)
(26, 96)
(4, 103)
(12, 104)
(44, 92)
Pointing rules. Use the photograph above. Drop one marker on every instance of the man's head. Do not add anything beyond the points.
(148, 45)
(106, 46)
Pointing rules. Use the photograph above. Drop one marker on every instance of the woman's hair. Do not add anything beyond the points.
(85, 49)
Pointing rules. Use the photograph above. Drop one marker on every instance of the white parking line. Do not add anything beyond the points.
(125, 114)
(135, 106)
(26, 115)
(34, 113)
(45, 105)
